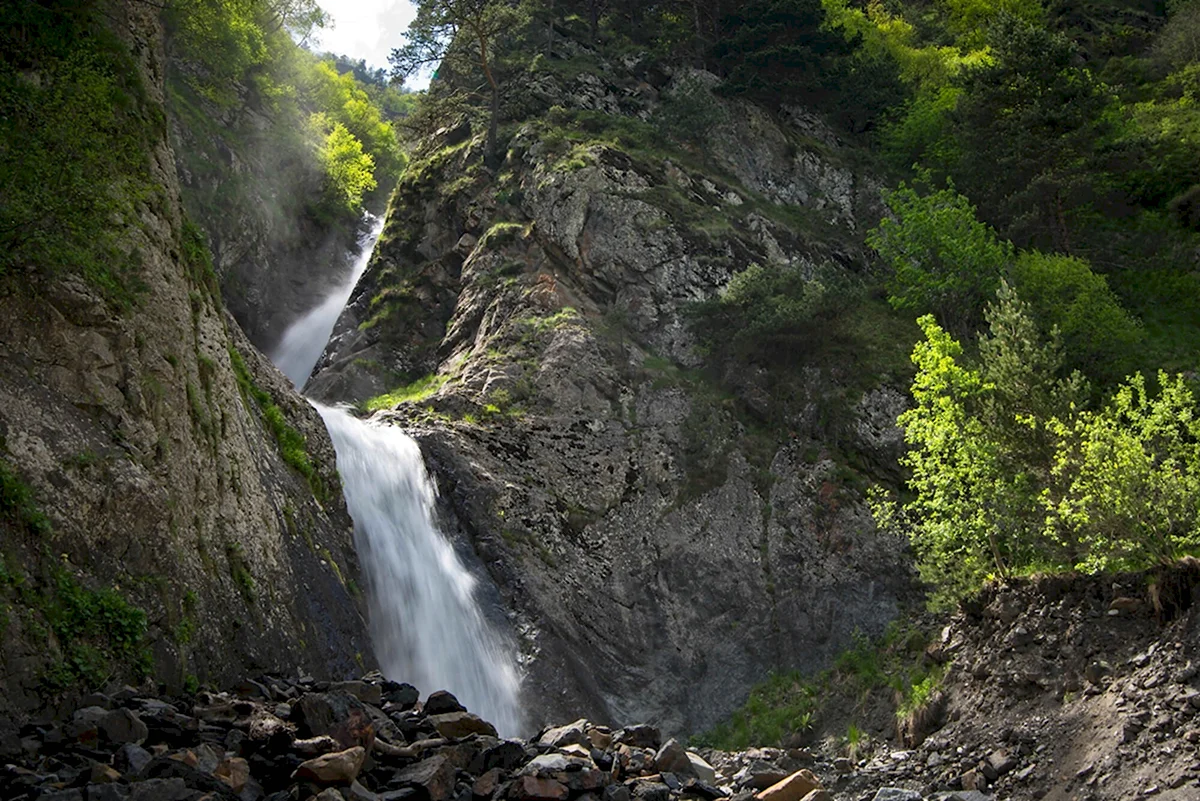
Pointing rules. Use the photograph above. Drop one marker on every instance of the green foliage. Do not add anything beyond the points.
(1099, 337)
(17, 504)
(1127, 478)
(770, 311)
(349, 171)
(1011, 471)
(943, 259)
(75, 134)
(239, 571)
(293, 446)
(417, 391)
(782, 704)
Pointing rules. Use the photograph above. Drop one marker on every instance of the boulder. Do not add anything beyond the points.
(442, 702)
(533, 788)
(367, 693)
(434, 777)
(338, 768)
(897, 794)
(701, 769)
(639, 736)
(455, 725)
(338, 715)
(673, 758)
(571, 734)
(793, 788)
(124, 726)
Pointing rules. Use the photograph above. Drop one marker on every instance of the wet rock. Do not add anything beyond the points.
(442, 702)
(404, 696)
(340, 767)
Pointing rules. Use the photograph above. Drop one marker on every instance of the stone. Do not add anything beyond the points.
(340, 767)
(441, 703)
(897, 794)
(435, 776)
(533, 788)
(651, 791)
(673, 758)
(130, 759)
(330, 794)
(487, 784)
(315, 746)
(701, 769)
(235, 772)
(123, 726)
(615, 792)
(547, 765)
(456, 725)
(600, 738)
(1001, 761)
(639, 736)
(367, 693)
(818, 795)
(571, 734)
(404, 696)
(356, 792)
(338, 715)
(103, 774)
(843, 765)
(793, 788)
(508, 755)
(164, 790)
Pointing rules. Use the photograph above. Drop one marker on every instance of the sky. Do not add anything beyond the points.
(368, 29)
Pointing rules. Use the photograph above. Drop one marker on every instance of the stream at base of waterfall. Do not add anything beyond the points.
(426, 625)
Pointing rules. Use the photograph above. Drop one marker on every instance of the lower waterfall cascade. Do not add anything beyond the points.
(426, 625)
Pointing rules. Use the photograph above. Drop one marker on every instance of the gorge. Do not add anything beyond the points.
(632, 375)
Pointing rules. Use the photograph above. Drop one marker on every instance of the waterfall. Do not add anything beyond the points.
(426, 625)
(305, 340)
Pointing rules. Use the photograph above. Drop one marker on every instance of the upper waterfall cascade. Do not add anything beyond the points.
(426, 624)
(305, 340)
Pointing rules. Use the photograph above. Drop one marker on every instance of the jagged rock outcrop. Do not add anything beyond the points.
(155, 464)
(660, 547)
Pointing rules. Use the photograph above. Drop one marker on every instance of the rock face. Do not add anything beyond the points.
(176, 470)
(658, 556)
(274, 258)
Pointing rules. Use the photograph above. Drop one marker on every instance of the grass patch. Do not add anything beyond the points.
(293, 446)
(417, 391)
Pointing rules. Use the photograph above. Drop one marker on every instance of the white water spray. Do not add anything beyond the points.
(305, 340)
(426, 626)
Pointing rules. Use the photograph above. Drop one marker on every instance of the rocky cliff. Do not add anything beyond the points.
(665, 525)
(170, 506)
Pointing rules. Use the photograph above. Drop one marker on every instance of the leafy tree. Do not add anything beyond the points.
(349, 171)
(460, 35)
(1100, 338)
(1029, 121)
(943, 259)
(1131, 478)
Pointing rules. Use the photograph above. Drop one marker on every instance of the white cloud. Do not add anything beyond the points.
(367, 29)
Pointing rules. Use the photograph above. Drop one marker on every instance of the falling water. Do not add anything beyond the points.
(305, 339)
(426, 626)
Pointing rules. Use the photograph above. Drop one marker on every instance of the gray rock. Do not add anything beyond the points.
(673, 758)
(124, 726)
(897, 794)
(571, 734)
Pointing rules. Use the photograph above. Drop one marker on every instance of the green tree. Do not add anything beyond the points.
(1029, 121)
(943, 260)
(349, 170)
(460, 35)
(1129, 478)
(1100, 338)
